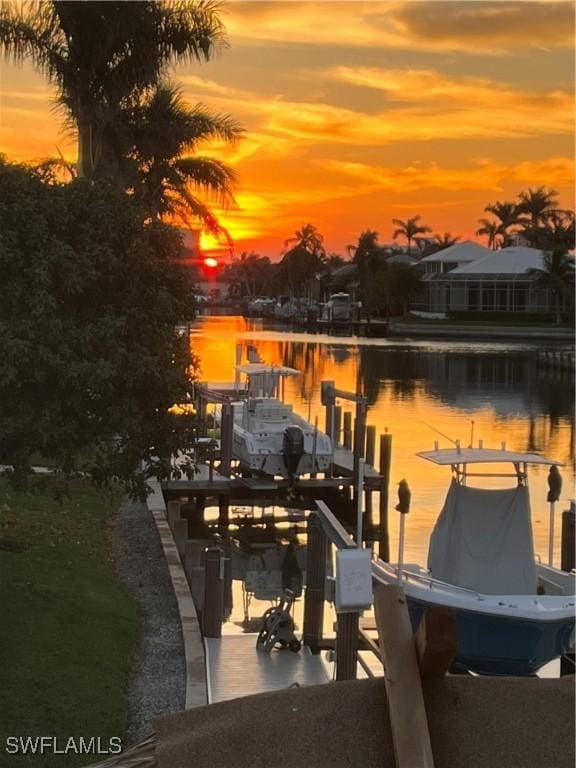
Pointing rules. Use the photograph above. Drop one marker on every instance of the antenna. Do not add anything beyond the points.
(438, 431)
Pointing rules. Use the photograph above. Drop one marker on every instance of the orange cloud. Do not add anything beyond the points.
(485, 175)
(464, 26)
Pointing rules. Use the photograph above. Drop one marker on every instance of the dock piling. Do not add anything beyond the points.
(172, 512)
(180, 533)
(315, 578)
(568, 555)
(385, 461)
(213, 592)
(337, 425)
(346, 645)
(347, 432)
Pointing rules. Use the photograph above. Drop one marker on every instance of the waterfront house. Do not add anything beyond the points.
(477, 280)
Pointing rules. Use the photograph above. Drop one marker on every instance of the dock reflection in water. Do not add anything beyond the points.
(413, 387)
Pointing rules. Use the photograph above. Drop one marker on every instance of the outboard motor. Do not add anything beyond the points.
(293, 449)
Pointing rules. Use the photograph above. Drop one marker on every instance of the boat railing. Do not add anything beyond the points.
(430, 581)
(341, 539)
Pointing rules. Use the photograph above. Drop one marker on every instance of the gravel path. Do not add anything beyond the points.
(157, 684)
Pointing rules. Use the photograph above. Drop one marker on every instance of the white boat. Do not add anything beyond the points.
(269, 438)
(514, 614)
(338, 307)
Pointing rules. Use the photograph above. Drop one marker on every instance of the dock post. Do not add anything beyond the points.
(223, 509)
(346, 645)
(213, 592)
(370, 458)
(227, 602)
(328, 401)
(172, 512)
(180, 533)
(226, 438)
(347, 436)
(193, 556)
(385, 461)
(337, 425)
(315, 578)
(359, 437)
(568, 555)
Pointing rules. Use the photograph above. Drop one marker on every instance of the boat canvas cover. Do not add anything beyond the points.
(483, 541)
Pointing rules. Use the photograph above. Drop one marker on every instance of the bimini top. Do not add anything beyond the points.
(258, 369)
(449, 456)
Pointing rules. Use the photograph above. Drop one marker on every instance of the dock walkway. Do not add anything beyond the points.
(234, 668)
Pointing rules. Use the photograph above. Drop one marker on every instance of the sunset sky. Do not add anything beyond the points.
(359, 112)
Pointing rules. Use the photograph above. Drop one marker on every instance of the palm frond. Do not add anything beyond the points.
(213, 177)
(187, 206)
(191, 30)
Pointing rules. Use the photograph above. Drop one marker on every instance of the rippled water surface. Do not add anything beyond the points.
(414, 388)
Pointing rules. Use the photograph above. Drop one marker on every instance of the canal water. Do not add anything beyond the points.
(416, 390)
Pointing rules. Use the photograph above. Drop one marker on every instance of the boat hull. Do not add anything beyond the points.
(270, 460)
(491, 644)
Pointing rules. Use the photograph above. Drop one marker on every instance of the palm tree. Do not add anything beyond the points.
(101, 56)
(304, 261)
(309, 239)
(446, 240)
(409, 229)
(492, 230)
(537, 204)
(159, 140)
(365, 249)
(557, 274)
(508, 214)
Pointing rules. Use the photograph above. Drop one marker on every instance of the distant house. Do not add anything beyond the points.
(468, 278)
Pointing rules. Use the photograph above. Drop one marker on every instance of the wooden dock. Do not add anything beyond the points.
(234, 668)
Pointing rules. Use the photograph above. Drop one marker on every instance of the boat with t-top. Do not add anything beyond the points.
(513, 612)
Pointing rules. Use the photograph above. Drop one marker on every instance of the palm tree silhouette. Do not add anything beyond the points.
(492, 230)
(160, 139)
(409, 229)
(308, 239)
(101, 56)
(508, 214)
(446, 240)
(537, 204)
(557, 274)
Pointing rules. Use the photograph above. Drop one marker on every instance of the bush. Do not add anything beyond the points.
(89, 298)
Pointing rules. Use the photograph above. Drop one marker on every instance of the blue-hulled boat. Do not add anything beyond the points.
(513, 613)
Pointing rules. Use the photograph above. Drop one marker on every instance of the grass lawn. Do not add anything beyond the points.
(68, 628)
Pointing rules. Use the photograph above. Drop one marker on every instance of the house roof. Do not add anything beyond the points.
(515, 260)
(466, 251)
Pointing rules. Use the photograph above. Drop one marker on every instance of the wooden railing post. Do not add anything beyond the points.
(213, 592)
(315, 578)
(346, 645)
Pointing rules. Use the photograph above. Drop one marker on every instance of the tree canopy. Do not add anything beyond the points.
(89, 300)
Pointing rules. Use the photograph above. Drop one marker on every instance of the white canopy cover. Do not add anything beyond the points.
(483, 541)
